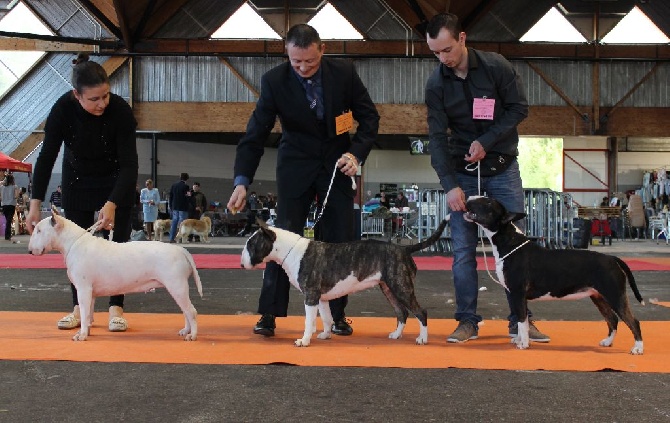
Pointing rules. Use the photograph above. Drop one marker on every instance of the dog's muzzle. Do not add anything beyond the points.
(469, 216)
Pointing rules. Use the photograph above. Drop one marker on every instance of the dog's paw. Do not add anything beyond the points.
(302, 342)
(421, 340)
(519, 343)
(637, 349)
(79, 337)
(607, 342)
(324, 335)
(190, 337)
(395, 335)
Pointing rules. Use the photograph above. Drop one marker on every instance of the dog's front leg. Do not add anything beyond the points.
(522, 338)
(310, 323)
(326, 320)
(86, 301)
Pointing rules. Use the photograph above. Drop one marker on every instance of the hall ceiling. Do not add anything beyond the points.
(184, 26)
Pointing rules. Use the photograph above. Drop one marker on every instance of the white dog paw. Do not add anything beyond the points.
(421, 341)
(607, 342)
(190, 337)
(395, 335)
(302, 342)
(637, 349)
(79, 337)
(519, 343)
(324, 335)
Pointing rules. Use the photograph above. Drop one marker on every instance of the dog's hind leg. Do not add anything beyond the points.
(310, 323)
(610, 317)
(326, 320)
(179, 292)
(400, 311)
(625, 314)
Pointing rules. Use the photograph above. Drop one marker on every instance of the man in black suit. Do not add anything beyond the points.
(316, 99)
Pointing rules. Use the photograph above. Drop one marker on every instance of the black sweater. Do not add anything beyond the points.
(100, 156)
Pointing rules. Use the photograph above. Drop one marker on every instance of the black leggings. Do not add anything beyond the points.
(122, 222)
(8, 211)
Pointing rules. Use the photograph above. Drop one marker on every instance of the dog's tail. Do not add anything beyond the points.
(433, 238)
(196, 276)
(631, 279)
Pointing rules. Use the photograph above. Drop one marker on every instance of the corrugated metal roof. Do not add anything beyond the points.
(508, 20)
(68, 18)
(198, 19)
(28, 105)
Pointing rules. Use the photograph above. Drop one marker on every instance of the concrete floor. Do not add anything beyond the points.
(39, 391)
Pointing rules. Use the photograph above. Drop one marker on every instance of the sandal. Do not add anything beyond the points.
(118, 324)
(69, 322)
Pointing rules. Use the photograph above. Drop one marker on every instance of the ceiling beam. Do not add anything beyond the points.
(23, 44)
(107, 21)
(366, 48)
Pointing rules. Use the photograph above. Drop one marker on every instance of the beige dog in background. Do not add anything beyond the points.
(201, 227)
(161, 226)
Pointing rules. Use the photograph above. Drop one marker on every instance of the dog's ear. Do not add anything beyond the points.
(53, 220)
(513, 217)
(54, 210)
(269, 233)
(261, 223)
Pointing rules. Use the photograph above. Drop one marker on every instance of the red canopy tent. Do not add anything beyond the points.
(7, 163)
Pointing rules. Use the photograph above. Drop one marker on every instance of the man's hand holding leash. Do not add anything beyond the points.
(348, 164)
(237, 199)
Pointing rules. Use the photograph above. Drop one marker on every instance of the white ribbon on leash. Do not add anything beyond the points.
(325, 200)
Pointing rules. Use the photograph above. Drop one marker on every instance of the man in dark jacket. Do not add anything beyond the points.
(179, 203)
(316, 99)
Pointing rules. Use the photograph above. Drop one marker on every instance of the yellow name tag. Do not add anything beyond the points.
(344, 123)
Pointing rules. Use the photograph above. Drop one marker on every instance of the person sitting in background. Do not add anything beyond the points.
(384, 201)
(401, 201)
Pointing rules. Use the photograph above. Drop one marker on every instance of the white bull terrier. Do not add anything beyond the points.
(97, 267)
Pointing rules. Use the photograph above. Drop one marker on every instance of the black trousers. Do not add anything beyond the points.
(8, 211)
(336, 225)
(122, 228)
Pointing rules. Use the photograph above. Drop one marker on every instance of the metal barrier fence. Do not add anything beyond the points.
(549, 217)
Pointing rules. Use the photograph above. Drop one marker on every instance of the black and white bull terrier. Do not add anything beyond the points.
(324, 271)
(532, 272)
(97, 267)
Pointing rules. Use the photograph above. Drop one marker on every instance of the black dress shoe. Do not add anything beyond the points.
(342, 327)
(265, 326)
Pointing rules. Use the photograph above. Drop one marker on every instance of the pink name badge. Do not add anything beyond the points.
(482, 108)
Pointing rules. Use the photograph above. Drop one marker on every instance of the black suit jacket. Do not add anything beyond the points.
(306, 146)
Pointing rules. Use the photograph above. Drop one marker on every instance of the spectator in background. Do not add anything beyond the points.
(179, 203)
(149, 197)
(401, 201)
(9, 193)
(199, 201)
(56, 199)
(384, 201)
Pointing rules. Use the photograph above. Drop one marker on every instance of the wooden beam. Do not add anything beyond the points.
(630, 92)
(555, 87)
(395, 119)
(239, 77)
(162, 14)
(124, 24)
(24, 44)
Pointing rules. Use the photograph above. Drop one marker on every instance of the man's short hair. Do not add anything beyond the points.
(444, 20)
(184, 176)
(303, 36)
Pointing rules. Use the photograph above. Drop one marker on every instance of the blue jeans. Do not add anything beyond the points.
(506, 188)
(178, 216)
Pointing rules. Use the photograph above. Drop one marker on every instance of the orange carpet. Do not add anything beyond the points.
(232, 261)
(152, 338)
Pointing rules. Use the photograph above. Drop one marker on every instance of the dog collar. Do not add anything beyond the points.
(289, 251)
(511, 252)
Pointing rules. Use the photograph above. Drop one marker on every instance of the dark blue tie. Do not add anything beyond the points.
(313, 98)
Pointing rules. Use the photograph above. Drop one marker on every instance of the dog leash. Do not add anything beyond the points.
(471, 167)
(325, 200)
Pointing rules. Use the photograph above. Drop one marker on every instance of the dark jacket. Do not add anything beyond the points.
(490, 75)
(100, 156)
(180, 197)
(306, 146)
